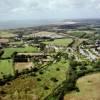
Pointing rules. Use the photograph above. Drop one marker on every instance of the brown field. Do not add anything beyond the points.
(19, 89)
(89, 87)
(21, 66)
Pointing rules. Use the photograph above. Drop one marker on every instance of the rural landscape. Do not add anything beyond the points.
(51, 62)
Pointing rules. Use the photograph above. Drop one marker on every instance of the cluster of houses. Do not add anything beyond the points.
(97, 44)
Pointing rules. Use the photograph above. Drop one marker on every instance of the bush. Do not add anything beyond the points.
(54, 79)
(2, 92)
(46, 88)
(38, 79)
(73, 64)
(97, 64)
(57, 69)
(35, 69)
(41, 72)
(34, 74)
(83, 68)
(77, 89)
(25, 71)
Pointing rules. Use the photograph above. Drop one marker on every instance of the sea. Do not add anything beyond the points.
(13, 24)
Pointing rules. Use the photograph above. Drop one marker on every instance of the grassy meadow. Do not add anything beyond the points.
(60, 42)
(6, 67)
(8, 52)
(6, 34)
(37, 84)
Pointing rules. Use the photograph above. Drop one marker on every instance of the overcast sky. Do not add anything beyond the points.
(48, 9)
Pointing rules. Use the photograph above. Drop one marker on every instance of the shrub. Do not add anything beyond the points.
(35, 69)
(25, 71)
(46, 88)
(57, 69)
(34, 74)
(8, 83)
(38, 79)
(83, 68)
(41, 72)
(2, 92)
(54, 79)
(77, 89)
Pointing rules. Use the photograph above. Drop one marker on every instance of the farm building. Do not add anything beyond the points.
(97, 44)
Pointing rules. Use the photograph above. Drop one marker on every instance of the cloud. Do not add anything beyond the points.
(18, 9)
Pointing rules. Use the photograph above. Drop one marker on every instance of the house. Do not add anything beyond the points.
(18, 37)
(97, 44)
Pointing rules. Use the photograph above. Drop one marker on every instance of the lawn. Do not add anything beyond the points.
(6, 67)
(8, 52)
(60, 42)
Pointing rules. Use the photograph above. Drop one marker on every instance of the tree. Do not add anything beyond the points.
(65, 55)
(73, 64)
(42, 46)
(97, 64)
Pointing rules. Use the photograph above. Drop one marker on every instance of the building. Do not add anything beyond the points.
(97, 44)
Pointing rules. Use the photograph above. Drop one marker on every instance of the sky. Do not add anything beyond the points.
(48, 9)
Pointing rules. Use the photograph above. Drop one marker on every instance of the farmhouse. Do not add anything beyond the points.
(97, 44)
(26, 57)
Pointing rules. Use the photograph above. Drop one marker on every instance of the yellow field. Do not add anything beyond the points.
(89, 87)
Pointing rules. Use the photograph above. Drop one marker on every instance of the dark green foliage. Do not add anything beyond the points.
(1, 53)
(97, 64)
(2, 92)
(34, 74)
(38, 79)
(73, 64)
(46, 88)
(42, 46)
(54, 79)
(35, 69)
(58, 69)
(77, 89)
(58, 56)
(41, 72)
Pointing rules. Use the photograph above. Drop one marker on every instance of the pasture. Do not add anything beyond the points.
(78, 34)
(60, 42)
(6, 67)
(8, 52)
(6, 34)
(37, 84)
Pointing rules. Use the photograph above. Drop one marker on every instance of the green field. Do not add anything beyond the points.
(49, 73)
(77, 34)
(6, 34)
(60, 42)
(8, 52)
(6, 67)
(40, 85)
